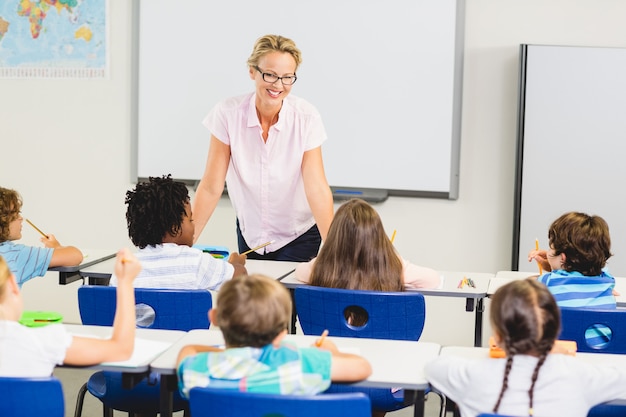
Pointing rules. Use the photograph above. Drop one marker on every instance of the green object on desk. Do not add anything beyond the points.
(39, 318)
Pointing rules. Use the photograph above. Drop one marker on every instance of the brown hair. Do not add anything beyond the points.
(357, 253)
(584, 240)
(274, 43)
(10, 207)
(252, 310)
(526, 317)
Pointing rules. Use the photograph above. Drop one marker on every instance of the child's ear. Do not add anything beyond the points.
(213, 317)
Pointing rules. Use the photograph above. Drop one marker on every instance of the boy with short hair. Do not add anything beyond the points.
(253, 313)
(28, 262)
(160, 224)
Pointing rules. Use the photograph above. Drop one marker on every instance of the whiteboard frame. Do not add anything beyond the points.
(387, 167)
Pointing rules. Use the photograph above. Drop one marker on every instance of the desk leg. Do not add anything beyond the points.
(168, 385)
(294, 314)
(419, 399)
(478, 325)
(68, 277)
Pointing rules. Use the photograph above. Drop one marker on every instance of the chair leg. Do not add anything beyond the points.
(442, 402)
(80, 399)
(106, 411)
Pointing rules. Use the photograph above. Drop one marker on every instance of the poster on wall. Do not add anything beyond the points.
(53, 39)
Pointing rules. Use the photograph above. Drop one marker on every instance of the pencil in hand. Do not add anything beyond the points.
(320, 341)
(36, 228)
(538, 263)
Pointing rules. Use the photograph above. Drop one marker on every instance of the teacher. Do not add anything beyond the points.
(266, 145)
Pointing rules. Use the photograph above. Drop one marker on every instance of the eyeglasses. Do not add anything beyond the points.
(272, 78)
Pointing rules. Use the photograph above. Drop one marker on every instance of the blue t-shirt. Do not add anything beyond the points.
(26, 262)
(270, 370)
(573, 289)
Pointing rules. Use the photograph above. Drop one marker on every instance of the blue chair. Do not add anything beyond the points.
(595, 331)
(215, 402)
(173, 310)
(380, 315)
(27, 397)
(607, 410)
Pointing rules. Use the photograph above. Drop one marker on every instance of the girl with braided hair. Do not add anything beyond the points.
(533, 380)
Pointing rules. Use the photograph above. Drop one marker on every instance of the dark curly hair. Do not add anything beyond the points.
(10, 207)
(155, 208)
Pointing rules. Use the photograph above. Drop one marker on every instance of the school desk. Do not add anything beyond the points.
(395, 363)
(504, 277)
(100, 273)
(149, 344)
(69, 274)
(449, 287)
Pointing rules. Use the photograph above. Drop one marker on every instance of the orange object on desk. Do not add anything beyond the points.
(568, 347)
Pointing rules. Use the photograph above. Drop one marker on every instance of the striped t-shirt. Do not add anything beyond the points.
(26, 262)
(573, 289)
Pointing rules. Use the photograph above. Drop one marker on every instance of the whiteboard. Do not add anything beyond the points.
(385, 76)
(571, 144)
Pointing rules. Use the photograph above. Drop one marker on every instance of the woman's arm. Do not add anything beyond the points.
(211, 185)
(90, 351)
(317, 190)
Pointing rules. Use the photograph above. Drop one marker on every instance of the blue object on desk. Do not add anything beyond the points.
(219, 252)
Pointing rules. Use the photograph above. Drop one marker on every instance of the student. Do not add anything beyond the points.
(27, 262)
(580, 245)
(531, 381)
(358, 255)
(253, 313)
(33, 352)
(160, 223)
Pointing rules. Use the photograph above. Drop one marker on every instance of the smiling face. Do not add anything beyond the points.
(271, 95)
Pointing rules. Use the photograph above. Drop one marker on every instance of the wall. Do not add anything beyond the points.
(75, 135)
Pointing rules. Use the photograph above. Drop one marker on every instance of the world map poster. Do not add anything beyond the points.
(53, 39)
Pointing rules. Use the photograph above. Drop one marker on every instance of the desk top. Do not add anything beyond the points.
(273, 269)
(149, 343)
(395, 363)
(90, 257)
(448, 288)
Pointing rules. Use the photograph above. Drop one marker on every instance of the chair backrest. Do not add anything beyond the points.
(27, 397)
(215, 402)
(601, 331)
(174, 309)
(390, 315)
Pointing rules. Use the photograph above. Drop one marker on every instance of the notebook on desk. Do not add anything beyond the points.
(219, 252)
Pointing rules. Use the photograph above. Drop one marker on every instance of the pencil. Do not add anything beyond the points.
(36, 228)
(321, 339)
(258, 247)
(393, 236)
(538, 264)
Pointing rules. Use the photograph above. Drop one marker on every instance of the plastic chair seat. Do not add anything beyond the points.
(28, 397)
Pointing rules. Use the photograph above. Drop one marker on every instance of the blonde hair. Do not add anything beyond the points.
(10, 207)
(274, 43)
(357, 253)
(251, 310)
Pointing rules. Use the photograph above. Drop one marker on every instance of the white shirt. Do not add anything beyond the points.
(566, 386)
(264, 179)
(173, 266)
(31, 352)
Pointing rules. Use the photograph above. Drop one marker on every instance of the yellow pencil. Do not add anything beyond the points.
(393, 235)
(36, 228)
(539, 264)
(321, 339)
(258, 247)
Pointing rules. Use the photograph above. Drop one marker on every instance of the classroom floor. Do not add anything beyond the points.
(72, 379)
